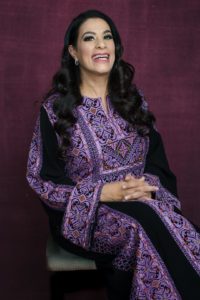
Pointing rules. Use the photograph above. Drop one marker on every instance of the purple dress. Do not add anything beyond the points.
(147, 239)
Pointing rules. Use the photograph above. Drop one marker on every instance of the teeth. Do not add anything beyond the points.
(101, 56)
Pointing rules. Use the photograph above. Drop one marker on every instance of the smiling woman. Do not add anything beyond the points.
(91, 46)
(95, 52)
(100, 169)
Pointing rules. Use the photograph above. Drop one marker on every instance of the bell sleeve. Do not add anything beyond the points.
(46, 175)
(157, 171)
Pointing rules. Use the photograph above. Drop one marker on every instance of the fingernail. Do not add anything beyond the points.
(126, 197)
(123, 186)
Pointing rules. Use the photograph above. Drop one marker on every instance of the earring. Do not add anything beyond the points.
(76, 62)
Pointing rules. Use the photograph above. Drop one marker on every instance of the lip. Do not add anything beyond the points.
(105, 53)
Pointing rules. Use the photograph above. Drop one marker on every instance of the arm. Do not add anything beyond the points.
(46, 175)
(157, 171)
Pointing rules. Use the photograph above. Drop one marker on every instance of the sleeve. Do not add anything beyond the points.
(46, 175)
(157, 171)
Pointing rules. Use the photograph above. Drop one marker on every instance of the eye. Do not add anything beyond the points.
(108, 37)
(88, 38)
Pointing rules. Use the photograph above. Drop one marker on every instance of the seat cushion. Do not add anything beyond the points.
(59, 259)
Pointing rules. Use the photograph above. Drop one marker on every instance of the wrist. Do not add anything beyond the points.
(112, 192)
(104, 193)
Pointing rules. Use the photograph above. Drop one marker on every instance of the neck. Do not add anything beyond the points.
(94, 86)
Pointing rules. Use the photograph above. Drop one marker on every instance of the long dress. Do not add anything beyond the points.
(147, 241)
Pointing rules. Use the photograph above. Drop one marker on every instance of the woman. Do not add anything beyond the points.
(100, 169)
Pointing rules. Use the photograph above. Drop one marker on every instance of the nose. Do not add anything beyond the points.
(100, 43)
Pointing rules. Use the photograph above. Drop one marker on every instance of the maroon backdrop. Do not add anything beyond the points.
(162, 40)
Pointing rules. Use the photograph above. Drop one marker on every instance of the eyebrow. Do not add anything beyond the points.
(91, 32)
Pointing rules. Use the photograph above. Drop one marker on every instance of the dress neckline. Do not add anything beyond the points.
(106, 110)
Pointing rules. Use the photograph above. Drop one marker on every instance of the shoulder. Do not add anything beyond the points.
(154, 135)
(47, 107)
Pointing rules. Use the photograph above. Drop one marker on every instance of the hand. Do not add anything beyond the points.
(135, 188)
(130, 188)
(112, 191)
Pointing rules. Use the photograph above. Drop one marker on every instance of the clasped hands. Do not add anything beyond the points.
(131, 188)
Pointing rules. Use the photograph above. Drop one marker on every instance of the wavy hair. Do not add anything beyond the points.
(124, 95)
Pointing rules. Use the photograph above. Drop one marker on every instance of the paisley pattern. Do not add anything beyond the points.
(183, 232)
(106, 148)
(162, 194)
(118, 234)
(54, 195)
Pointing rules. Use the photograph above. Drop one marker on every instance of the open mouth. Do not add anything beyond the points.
(101, 57)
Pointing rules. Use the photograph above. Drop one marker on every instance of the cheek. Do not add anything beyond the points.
(85, 53)
(112, 47)
(113, 52)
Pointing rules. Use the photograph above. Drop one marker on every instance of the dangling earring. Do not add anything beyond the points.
(76, 62)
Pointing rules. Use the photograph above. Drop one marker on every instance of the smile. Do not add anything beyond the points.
(101, 57)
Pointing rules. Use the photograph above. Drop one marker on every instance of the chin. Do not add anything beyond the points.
(102, 70)
(100, 73)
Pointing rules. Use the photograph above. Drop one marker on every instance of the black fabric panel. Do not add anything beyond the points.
(185, 277)
(157, 163)
(53, 167)
(118, 283)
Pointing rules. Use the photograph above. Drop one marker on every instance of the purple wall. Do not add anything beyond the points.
(162, 40)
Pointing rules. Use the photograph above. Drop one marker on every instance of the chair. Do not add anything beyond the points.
(60, 262)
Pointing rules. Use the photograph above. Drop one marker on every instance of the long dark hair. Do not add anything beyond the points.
(124, 95)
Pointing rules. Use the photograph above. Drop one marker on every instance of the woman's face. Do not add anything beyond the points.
(95, 48)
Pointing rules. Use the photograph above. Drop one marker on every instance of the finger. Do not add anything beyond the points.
(139, 185)
(133, 196)
(134, 182)
(128, 185)
(139, 193)
(150, 188)
(144, 198)
(129, 176)
(136, 197)
(128, 198)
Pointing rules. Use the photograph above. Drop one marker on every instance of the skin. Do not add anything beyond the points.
(95, 37)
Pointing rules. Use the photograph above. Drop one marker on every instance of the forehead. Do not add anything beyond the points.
(95, 25)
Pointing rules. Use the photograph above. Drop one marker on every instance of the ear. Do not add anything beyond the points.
(72, 51)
